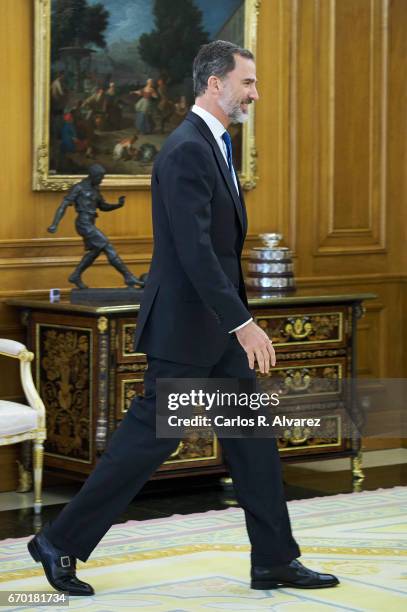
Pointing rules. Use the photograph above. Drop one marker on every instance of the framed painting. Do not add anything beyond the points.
(114, 77)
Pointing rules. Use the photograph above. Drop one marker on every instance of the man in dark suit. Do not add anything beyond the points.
(194, 322)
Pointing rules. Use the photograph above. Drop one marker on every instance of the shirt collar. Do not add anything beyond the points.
(215, 126)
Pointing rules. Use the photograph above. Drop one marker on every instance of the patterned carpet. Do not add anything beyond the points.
(200, 562)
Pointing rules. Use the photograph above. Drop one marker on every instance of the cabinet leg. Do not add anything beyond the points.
(357, 472)
(38, 468)
(228, 495)
(226, 482)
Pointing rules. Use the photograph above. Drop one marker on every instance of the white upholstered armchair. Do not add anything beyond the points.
(19, 422)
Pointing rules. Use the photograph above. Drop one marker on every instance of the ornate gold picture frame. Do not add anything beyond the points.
(89, 107)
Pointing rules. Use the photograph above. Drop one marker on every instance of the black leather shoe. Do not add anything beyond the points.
(293, 574)
(59, 568)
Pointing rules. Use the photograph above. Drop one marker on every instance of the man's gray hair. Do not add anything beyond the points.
(217, 58)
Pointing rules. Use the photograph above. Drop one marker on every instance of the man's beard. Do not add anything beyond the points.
(231, 108)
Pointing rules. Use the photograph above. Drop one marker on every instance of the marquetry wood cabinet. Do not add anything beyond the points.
(88, 373)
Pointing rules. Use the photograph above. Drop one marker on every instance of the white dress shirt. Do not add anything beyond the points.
(217, 129)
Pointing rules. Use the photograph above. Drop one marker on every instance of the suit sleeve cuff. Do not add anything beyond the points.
(242, 325)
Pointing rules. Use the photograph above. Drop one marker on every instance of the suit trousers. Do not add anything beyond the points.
(134, 453)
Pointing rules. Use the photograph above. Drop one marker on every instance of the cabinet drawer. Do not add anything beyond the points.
(313, 379)
(300, 440)
(128, 386)
(197, 449)
(125, 340)
(307, 328)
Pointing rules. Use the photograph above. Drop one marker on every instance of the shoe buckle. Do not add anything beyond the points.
(65, 561)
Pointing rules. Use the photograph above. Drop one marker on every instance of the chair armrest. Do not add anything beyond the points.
(19, 351)
(11, 348)
(30, 390)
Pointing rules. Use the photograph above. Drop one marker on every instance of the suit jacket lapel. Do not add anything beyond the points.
(224, 168)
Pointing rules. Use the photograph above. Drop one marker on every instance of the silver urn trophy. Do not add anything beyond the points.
(270, 266)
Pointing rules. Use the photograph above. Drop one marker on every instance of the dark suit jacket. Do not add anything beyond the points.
(195, 291)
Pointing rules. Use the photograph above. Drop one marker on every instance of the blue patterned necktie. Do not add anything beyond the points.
(228, 142)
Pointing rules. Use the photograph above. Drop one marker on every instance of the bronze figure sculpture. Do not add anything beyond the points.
(86, 198)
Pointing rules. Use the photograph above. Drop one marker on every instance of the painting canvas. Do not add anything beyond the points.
(114, 78)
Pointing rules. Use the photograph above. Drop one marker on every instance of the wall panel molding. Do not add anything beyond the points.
(351, 89)
(371, 340)
(52, 262)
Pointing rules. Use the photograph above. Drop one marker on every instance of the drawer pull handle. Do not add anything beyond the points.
(298, 381)
(298, 328)
(297, 435)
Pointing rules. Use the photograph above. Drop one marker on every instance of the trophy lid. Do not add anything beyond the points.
(270, 243)
(271, 239)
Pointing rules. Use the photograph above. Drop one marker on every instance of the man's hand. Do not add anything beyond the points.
(122, 200)
(52, 228)
(257, 345)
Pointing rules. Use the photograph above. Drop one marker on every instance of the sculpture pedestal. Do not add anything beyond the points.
(106, 296)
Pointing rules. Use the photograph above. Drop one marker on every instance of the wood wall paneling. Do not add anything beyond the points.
(332, 151)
